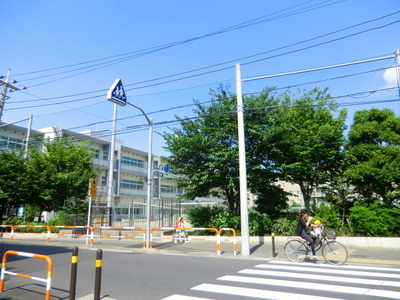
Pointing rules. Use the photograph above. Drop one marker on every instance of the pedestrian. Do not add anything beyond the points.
(180, 233)
(301, 230)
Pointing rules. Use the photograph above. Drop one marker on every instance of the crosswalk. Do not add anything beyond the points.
(301, 281)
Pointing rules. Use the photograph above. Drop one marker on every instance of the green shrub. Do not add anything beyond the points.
(12, 221)
(218, 217)
(225, 219)
(284, 226)
(259, 224)
(201, 216)
(376, 219)
(329, 217)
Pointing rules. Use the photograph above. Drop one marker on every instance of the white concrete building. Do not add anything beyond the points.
(130, 170)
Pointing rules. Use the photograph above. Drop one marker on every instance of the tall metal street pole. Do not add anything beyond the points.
(397, 54)
(28, 137)
(244, 216)
(149, 173)
(110, 202)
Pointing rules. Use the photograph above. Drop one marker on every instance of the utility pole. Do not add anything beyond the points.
(6, 85)
(397, 54)
(244, 214)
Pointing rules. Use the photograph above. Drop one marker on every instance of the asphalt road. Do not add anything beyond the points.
(145, 276)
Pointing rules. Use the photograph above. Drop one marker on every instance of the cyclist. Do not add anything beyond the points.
(301, 230)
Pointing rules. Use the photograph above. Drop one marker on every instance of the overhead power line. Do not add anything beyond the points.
(238, 59)
(139, 53)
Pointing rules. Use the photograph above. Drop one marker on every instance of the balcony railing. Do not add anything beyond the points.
(132, 192)
(100, 162)
(134, 169)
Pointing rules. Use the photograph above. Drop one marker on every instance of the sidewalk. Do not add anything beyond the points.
(261, 250)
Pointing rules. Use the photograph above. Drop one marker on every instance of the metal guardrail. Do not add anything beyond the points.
(91, 233)
(26, 254)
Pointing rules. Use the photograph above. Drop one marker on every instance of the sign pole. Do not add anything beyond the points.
(110, 202)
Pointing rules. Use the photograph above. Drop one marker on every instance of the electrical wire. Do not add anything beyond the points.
(137, 128)
(143, 52)
(270, 89)
(366, 93)
(237, 59)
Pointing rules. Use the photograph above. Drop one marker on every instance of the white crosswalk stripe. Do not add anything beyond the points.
(284, 280)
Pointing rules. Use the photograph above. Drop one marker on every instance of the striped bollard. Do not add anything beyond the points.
(219, 242)
(273, 242)
(91, 242)
(12, 233)
(97, 282)
(48, 234)
(74, 270)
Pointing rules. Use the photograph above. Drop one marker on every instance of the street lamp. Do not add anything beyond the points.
(149, 174)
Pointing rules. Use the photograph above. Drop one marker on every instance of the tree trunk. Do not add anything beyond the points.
(306, 195)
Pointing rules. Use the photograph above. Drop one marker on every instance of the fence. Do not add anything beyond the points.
(119, 236)
(93, 232)
(121, 220)
(216, 238)
(49, 270)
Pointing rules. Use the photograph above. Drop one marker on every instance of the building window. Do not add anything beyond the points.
(131, 184)
(168, 189)
(132, 161)
(11, 143)
(96, 153)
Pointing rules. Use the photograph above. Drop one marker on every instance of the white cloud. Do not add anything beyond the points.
(390, 77)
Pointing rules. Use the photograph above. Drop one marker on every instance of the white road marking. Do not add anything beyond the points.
(182, 297)
(256, 293)
(313, 286)
(320, 277)
(278, 262)
(329, 270)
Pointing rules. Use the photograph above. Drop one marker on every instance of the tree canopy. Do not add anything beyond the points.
(58, 172)
(311, 140)
(288, 137)
(373, 155)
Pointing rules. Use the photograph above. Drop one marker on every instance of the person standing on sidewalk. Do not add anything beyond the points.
(180, 233)
(301, 230)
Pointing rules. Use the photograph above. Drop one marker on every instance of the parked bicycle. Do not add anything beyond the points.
(297, 249)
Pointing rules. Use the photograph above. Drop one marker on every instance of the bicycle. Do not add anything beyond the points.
(297, 249)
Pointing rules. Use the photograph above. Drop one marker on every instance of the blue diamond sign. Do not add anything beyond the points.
(116, 93)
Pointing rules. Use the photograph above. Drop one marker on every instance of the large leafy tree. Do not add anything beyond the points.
(311, 139)
(58, 173)
(373, 155)
(293, 138)
(205, 149)
(12, 175)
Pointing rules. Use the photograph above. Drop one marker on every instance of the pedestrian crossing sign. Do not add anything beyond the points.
(116, 93)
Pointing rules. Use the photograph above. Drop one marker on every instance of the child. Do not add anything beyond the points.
(317, 228)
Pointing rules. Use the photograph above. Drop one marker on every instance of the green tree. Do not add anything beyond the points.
(373, 155)
(205, 149)
(58, 173)
(12, 175)
(310, 147)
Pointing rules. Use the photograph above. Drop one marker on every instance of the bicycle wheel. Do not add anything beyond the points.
(335, 253)
(295, 251)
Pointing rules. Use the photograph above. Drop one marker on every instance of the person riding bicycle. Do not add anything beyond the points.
(301, 230)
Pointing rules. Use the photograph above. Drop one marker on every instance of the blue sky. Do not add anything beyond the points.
(42, 35)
